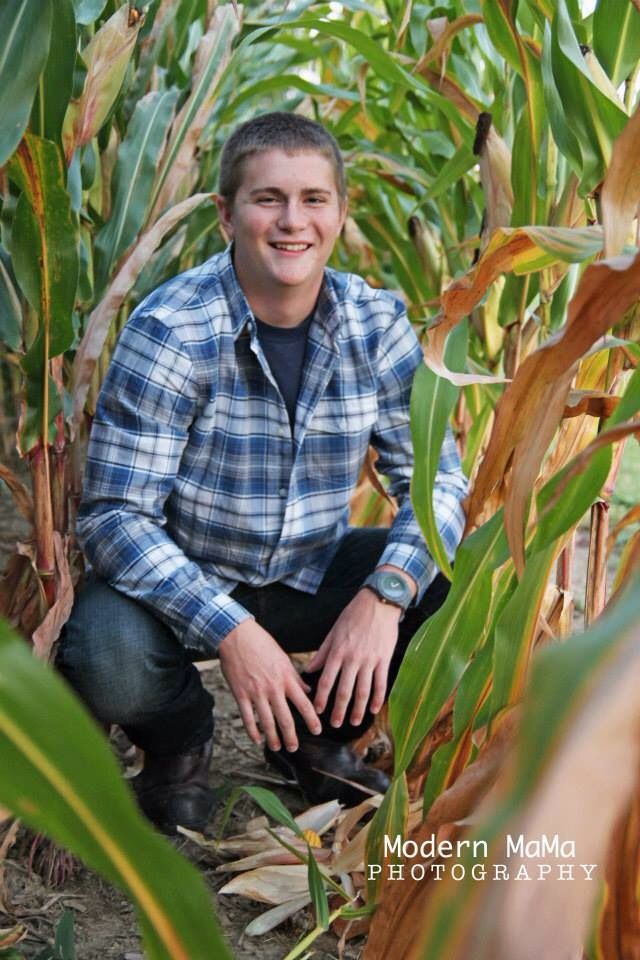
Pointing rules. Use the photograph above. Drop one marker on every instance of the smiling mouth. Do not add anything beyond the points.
(291, 247)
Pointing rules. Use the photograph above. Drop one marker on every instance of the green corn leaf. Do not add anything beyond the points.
(630, 400)
(45, 261)
(616, 38)
(513, 635)
(318, 894)
(384, 65)
(10, 310)
(65, 781)
(382, 237)
(438, 653)
(560, 128)
(451, 171)
(390, 821)
(64, 939)
(88, 10)
(593, 117)
(272, 806)
(498, 18)
(56, 81)
(25, 32)
(432, 401)
(470, 696)
(285, 81)
(582, 489)
(44, 240)
(133, 179)
(523, 173)
(475, 435)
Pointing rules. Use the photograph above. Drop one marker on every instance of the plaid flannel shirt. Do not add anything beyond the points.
(194, 482)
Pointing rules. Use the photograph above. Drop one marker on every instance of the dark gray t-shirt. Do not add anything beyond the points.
(284, 348)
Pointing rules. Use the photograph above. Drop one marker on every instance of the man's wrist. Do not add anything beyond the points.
(392, 610)
(230, 639)
(391, 588)
(408, 579)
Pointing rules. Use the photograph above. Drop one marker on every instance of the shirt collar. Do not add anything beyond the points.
(327, 308)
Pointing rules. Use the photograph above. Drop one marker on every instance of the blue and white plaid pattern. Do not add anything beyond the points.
(194, 482)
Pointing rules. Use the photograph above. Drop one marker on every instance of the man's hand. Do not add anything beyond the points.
(359, 647)
(262, 678)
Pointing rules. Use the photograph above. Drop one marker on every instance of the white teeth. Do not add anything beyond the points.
(290, 246)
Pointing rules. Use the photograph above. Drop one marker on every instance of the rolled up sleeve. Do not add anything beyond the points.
(140, 429)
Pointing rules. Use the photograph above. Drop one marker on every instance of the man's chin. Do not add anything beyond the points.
(292, 278)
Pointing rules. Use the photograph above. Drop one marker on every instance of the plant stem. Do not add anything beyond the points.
(596, 590)
(310, 937)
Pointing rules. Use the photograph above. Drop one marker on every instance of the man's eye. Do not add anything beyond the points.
(315, 200)
(266, 199)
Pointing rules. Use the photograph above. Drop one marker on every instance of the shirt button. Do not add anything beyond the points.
(282, 491)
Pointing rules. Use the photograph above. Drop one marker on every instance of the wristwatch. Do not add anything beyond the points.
(390, 588)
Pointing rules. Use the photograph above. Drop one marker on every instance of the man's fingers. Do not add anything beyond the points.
(361, 698)
(325, 683)
(246, 712)
(379, 688)
(268, 724)
(343, 694)
(306, 710)
(285, 723)
(303, 686)
(318, 659)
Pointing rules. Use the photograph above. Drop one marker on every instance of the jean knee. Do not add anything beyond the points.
(116, 655)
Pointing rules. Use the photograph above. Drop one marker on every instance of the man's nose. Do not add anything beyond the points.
(292, 215)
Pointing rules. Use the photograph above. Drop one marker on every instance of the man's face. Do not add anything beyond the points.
(284, 220)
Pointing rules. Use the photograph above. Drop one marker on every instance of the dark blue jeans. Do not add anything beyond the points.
(129, 668)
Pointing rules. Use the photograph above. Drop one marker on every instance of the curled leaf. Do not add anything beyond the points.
(106, 57)
(100, 319)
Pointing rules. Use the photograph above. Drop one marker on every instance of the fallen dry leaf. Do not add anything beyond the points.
(273, 885)
(277, 915)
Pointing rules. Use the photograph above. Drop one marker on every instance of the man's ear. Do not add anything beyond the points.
(224, 214)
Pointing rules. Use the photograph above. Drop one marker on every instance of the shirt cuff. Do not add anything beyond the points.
(417, 563)
(218, 618)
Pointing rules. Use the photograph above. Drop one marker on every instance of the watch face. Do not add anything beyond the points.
(393, 586)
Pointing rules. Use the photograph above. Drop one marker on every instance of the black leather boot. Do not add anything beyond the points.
(318, 763)
(173, 790)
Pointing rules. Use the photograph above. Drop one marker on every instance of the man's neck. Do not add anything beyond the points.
(284, 310)
(286, 307)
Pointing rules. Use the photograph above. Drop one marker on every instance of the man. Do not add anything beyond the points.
(229, 433)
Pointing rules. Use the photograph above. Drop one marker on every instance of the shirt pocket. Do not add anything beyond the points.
(337, 438)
